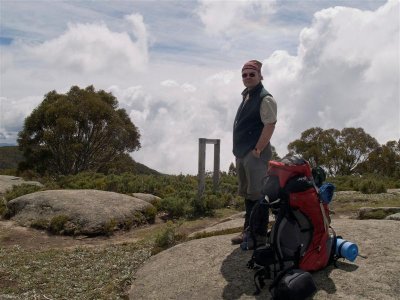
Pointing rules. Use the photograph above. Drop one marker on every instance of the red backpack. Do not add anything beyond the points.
(300, 236)
(302, 196)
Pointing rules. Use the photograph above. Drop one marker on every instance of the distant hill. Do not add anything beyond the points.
(142, 169)
(10, 156)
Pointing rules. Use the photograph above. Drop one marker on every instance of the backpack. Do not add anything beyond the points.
(301, 236)
(259, 217)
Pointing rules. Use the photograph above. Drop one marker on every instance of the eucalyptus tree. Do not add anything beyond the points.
(385, 160)
(78, 131)
(338, 152)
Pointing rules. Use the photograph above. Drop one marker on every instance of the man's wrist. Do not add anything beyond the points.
(258, 151)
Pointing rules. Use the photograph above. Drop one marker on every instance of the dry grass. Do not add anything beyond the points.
(80, 273)
(351, 202)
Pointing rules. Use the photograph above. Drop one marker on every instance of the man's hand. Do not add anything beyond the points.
(256, 152)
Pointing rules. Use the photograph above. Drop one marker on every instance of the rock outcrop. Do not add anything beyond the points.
(154, 200)
(7, 182)
(395, 217)
(212, 268)
(377, 212)
(87, 212)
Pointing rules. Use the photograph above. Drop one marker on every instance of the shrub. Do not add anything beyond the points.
(136, 219)
(360, 183)
(372, 187)
(28, 174)
(3, 207)
(139, 218)
(57, 224)
(176, 207)
(238, 203)
(207, 204)
(9, 172)
(20, 190)
(373, 214)
(215, 201)
(109, 227)
(178, 192)
(15, 192)
(167, 238)
(150, 214)
(200, 207)
(41, 224)
(127, 225)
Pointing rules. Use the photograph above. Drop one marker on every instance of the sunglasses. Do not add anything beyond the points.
(244, 75)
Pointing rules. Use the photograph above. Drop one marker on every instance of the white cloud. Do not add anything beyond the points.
(169, 83)
(6, 60)
(12, 114)
(229, 18)
(185, 87)
(94, 47)
(13, 110)
(345, 74)
(221, 78)
(172, 119)
(188, 88)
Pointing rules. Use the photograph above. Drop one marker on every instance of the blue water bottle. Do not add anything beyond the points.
(346, 249)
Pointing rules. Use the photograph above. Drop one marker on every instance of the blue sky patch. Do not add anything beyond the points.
(5, 40)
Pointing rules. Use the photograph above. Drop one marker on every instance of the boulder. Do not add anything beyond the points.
(376, 212)
(395, 217)
(7, 182)
(155, 200)
(87, 212)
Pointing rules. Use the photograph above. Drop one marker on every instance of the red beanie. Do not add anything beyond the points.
(253, 64)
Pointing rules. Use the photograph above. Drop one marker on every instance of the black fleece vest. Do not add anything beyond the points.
(248, 126)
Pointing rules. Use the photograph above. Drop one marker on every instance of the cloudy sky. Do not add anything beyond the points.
(175, 66)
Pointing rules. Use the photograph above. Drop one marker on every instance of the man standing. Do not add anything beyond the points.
(252, 130)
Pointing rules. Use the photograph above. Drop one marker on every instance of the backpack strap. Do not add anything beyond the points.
(259, 281)
(315, 186)
(326, 223)
(278, 220)
(250, 263)
(333, 257)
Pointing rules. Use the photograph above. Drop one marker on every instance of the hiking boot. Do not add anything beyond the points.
(237, 239)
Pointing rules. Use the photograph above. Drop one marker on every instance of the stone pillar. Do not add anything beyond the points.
(202, 165)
